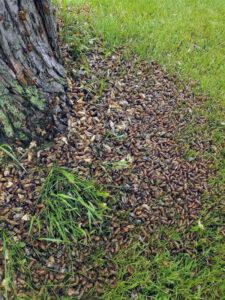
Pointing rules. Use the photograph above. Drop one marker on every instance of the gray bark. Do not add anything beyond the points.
(32, 78)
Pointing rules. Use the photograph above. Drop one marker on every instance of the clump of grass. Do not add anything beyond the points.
(9, 152)
(67, 197)
(15, 260)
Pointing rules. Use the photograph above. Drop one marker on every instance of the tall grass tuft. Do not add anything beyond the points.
(67, 199)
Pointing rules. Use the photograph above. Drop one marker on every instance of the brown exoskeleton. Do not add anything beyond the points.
(46, 8)
(40, 29)
(29, 47)
(22, 80)
(22, 15)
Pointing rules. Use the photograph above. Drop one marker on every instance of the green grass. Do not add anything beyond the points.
(66, 198)
(8, 151)
(150, 269)
(184, 36)
(165, 276)
(14, 259)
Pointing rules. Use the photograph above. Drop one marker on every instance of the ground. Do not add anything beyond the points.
(123, 204)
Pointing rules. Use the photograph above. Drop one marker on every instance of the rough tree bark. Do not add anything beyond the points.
(32, 78)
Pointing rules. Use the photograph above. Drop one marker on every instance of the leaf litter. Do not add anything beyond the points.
(125, 131)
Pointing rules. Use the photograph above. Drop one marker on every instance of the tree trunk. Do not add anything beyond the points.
(32, 78)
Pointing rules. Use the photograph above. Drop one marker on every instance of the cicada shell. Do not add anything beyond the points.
(29, 47)
(46, 8)
(22, 15)
(22, 80)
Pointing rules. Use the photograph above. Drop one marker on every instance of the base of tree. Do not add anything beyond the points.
(32, 78)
